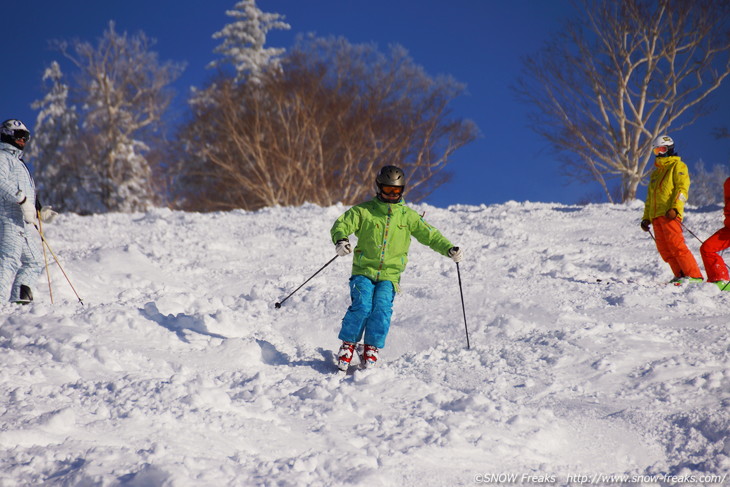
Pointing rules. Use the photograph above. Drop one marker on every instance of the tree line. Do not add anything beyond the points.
(312, 123)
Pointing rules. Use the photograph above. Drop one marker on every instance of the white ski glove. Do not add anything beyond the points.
(47, 214)
(343, 247)
(28, 209)
(456, 254)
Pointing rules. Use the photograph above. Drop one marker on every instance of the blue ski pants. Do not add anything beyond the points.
(370, 311)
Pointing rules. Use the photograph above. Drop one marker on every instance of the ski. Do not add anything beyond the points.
(673, 283)
(722, 285)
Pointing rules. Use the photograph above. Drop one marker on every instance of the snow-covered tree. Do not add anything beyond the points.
(52, 145)
(244, 41)
(706, 187)
(121, 93)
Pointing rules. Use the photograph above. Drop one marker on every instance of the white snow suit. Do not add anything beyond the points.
(20, 252)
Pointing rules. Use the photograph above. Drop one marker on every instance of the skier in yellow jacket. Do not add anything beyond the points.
(664, 209)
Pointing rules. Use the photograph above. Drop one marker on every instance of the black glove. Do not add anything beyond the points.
(645, 225)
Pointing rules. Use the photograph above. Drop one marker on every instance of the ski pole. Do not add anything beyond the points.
(278, 305)
(59, 266)
(690, 231)
(45, 255)
(463, 309)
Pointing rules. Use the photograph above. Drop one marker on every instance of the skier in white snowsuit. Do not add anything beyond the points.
(20, 252)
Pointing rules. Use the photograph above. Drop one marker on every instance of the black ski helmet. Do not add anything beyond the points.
(12, 130)
(390, 176)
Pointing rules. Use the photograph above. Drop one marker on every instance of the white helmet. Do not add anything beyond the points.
(13, 130)
(663, 146)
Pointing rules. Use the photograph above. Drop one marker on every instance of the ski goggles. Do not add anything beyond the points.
(16, 134)
(392, 190)
(662, 149)
(21, 135)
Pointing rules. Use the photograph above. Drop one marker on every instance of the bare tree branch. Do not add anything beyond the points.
(319, 131)
(622, 74)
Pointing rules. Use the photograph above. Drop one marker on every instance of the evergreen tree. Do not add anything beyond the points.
(121, 93)
(56, 130)
(244, 41)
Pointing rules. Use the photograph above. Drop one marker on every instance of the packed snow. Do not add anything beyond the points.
(585, 367)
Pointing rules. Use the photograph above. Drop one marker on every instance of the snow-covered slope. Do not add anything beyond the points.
(177, 370)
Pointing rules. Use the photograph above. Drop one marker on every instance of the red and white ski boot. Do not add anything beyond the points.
(344, 356)
(370, 356)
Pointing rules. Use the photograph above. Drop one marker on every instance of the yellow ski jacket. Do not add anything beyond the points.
(668, 187)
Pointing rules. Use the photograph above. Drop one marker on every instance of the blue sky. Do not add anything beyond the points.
(478, 42)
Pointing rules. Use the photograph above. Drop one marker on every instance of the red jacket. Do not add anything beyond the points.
(727, 202)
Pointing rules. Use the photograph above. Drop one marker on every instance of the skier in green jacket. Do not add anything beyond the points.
(383, 227)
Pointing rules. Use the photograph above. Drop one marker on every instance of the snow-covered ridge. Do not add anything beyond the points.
(179, 371)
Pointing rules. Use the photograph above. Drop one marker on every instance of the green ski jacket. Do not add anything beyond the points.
(383, 232)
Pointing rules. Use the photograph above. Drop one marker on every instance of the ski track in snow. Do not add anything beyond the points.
(178, 371)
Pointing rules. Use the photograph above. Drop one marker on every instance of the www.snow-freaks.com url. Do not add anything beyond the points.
(597, 479)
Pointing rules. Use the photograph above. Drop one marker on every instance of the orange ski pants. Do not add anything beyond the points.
(672, 248)
(710, 251)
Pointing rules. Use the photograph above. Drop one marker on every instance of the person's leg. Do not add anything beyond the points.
(677, 248)
(361, 295)
(31, 268)
(662, 245)
(378, 323)
(10, 251)
(710, 251)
